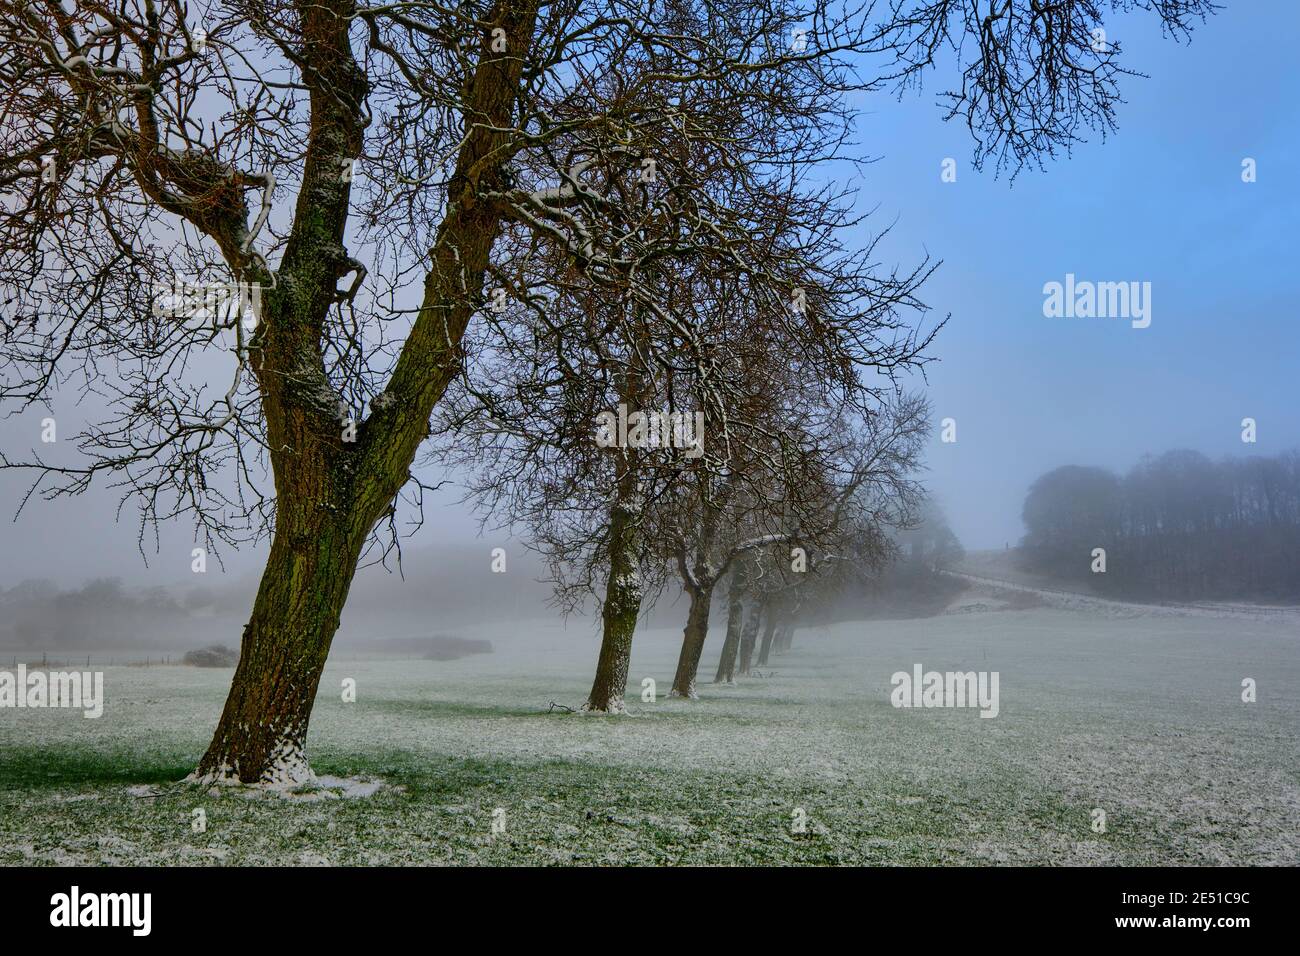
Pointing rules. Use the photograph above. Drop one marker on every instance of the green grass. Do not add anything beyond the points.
(1139, 717)
(557, 812)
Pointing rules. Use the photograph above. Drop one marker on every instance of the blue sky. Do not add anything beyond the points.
(1160, 201)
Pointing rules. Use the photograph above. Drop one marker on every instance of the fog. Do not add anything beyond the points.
(1163, 202)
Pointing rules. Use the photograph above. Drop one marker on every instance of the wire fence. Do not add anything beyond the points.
(62, 660)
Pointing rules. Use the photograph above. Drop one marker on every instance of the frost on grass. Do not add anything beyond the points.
(335, 788)
(1141, 716)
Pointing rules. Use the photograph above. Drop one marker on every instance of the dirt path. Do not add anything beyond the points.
(1056, 597)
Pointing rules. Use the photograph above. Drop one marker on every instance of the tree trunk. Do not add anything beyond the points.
(331, 490)
(784, 637)
(727, 662)
(769, 632)
(748, 638)
(697, 629)
(622, 607)
(262, 734)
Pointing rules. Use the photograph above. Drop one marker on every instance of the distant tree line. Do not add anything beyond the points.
(1176, 527)
(102, 613)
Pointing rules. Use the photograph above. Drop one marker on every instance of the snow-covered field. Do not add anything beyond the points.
(1141, 717)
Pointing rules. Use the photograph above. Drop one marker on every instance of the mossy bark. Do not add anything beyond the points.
(623, 591)
(697, 629)
(726, 673)
(261, 737)
(334, 482)
(621, 610)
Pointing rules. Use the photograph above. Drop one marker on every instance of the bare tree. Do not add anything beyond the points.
(525, 428)
(698, 318)
(832, 479)
(210, 149)
(1032, 76)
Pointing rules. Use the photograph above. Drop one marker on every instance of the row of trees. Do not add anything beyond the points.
(1177, 526)
(506, 214)
(767, 448)
(910, 583)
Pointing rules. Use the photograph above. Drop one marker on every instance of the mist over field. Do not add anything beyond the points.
(1134, 713)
